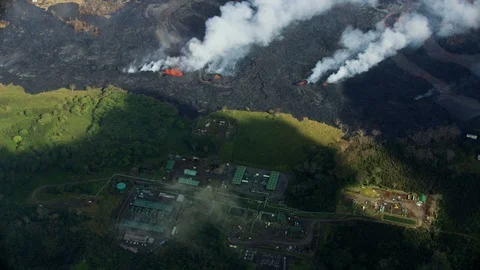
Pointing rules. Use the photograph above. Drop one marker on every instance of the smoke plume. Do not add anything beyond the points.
(442, 17)
(410, 30)
(229, 36)
(454, 16)
(353, 41)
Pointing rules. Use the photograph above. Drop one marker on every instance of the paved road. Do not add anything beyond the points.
(34, 199)
(309, 238)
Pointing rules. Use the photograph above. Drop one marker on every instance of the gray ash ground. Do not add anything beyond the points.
(40, 52)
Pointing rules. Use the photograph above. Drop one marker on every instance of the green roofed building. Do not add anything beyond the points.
(142, 226)
(153, 205)
(188, 181)
(170, 165)
(238, 176)
(272, 180)
(190, 172)
(423, 198)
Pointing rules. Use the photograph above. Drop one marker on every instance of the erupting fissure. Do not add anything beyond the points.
(397, 31)
(173, 72)
(240, 25)
(302, 83)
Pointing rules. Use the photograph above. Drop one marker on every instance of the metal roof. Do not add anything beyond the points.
(188, 181)
(153, 205)
(190, 172)
(423, 198)
(272, 181)
(238, 176)
(170, 164)
(142, 226)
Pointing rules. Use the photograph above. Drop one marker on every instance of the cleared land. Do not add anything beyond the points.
(276, 140)
(399, 220)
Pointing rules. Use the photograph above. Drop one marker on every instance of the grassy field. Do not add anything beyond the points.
(21, 115)
(400, 220)
(275, 141)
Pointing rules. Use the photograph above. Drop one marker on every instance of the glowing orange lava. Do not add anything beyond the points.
(302, 82)
(173, 72)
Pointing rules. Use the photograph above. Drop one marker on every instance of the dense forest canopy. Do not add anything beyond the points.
(68, 133)
(78, 132)
(433, 161)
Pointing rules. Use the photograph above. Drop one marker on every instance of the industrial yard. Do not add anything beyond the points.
(211, 174)
(395, 206)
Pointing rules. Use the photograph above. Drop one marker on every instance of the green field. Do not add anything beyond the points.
(41, 119)
(396, 219)
(65, 135)
(275, 141)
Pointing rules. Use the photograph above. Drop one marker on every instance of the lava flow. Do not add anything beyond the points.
(217, 76)
(302, 83)
(173, 72)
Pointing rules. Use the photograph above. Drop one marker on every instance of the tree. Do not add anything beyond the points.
(17, 139)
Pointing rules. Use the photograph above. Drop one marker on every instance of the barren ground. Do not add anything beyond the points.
(40, 52)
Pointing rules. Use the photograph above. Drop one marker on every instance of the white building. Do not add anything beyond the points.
(472, 136)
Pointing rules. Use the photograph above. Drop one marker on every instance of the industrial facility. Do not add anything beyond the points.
(149, 219)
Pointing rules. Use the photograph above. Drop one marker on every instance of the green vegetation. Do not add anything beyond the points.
(430, 161)
(206, 250)
(400, 220)
(39, 238)
(318, 181)
(76, 132)
(65, 136)
(275, 140)
(380, 246)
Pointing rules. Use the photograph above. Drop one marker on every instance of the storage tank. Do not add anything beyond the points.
(121, 186)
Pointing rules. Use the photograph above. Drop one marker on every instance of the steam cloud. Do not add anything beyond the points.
(443, 17)
(353, 40)
(229, 36)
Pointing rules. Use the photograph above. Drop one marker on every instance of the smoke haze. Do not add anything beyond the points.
(442, 17)
(229, 37)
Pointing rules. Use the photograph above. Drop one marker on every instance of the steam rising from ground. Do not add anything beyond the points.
(229, 36)
(442, 17)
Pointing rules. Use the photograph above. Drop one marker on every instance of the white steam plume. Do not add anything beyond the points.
(353, 41)
(229, 36)
(443, 17)
(455, 16)
(411, 29)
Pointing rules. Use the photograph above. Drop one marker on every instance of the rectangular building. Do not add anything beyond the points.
(142, 226)
(170, 164)
(153, 205)
(188, 181)
(238, 176)
(272, 180)
(190, 172)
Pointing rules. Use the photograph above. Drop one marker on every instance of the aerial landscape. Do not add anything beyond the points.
(230, 134)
